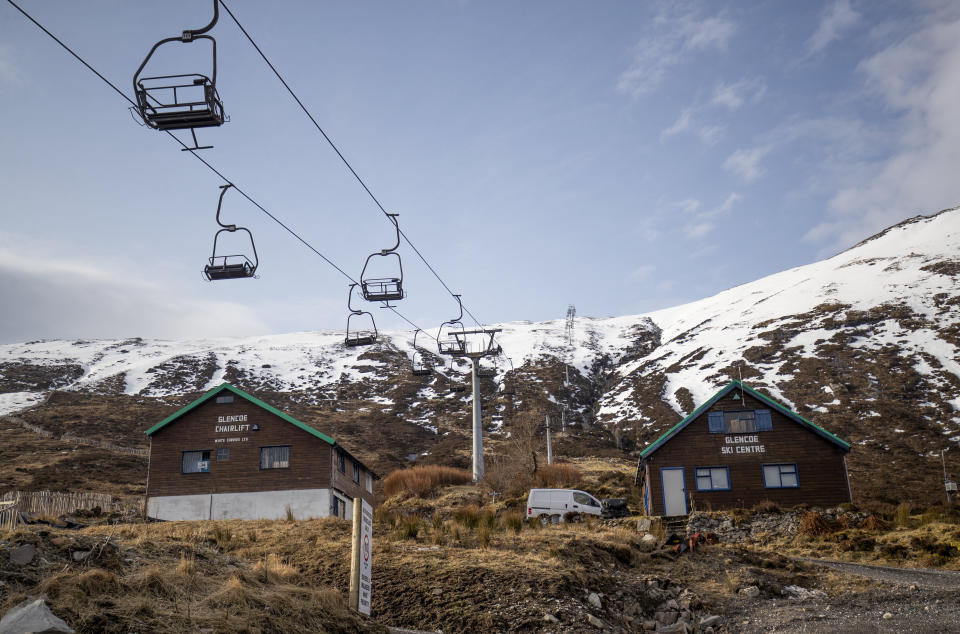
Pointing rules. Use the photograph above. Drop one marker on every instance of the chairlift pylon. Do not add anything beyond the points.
(384, 289)
(184, 101)
(358, 338)
(419, 369)
(234, 266)
(452, 345)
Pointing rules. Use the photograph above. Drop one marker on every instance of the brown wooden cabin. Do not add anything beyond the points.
(738, 449)
(229, 455)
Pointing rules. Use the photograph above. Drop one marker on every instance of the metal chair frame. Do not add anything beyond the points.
(189, 113)
(384, 289)
(227, 269)
(421, 369)
(454, 346)
(359, 338)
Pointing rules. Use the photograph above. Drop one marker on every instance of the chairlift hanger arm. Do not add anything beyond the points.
(223, 190)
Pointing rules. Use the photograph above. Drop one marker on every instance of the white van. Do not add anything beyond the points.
(554, 505)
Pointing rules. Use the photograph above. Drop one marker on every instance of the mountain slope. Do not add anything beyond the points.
(866, 343)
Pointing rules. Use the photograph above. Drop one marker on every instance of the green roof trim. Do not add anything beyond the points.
(226, 386)
(656, 444)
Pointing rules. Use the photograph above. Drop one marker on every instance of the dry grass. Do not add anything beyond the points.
(813, 524)
(559, 475)
(423, 481)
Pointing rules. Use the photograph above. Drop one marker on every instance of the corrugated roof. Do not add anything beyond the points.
(656, 444)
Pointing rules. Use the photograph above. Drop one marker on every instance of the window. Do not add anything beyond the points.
(275, 457)
(223, 453)
(713, 478)
(356, 472)
(780, 476)
(369, 482)
(583, 498)
(336, 507)
(195, 462)
(226, 398)
(740, 421)
(341, 462)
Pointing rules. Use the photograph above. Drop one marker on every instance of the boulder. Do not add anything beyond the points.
(22, 555)
(597, 623)
(714, 620)
(751, 592)
(33, 615)
(594, 599)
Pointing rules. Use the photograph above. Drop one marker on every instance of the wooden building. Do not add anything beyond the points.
(229, 455)
(738, 449)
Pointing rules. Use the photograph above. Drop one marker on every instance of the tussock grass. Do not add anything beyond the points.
(272, 570)
(559, 475)
(424, 481)
(813, 523)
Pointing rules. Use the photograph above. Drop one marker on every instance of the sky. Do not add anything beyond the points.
(622, 156)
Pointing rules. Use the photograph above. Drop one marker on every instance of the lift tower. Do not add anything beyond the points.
(474, 345)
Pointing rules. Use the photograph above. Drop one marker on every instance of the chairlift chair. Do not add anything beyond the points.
(511, 390)
(451, 344)
(384, 289)
(234, 266)
(184, 101)
(419, 369)
(362, 337)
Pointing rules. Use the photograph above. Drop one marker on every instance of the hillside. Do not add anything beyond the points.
(866, 344)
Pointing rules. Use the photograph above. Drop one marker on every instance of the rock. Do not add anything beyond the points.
(649, 626)
(549, 618)
(435, 592)
(643, 525)
(666, 618)
(648, 539)
(887, 615)
(714, 620)
(680, 627)
(751, 592)
(798, 592)
(22, 555)
(32, 615)
(594, 599)
(592, 620)
(80, 555)
(61, 542)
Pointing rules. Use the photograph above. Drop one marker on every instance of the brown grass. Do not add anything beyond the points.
(813, 523)
(424, 481)
(559, 475)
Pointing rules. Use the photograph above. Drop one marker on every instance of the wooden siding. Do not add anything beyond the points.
(821, 472)
(343, 482)
(311, 459)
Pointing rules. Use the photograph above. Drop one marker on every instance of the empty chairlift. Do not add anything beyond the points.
(359, 337)
(184, 101)
(384, 289)
(234, 266)
(449, 338)
(419, 369)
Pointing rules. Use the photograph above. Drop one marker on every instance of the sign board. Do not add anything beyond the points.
(951, 486)
(366, 557)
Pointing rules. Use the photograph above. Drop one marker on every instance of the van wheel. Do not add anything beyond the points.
(555, 519)
(572, 516)
(544, 519)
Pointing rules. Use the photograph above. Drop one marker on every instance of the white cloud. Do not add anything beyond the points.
(746, 163)
(916, 77)
(734, 95)
(686, 123)
(50, 296)
(682, 124)
(837, 19)
(641, 272)
(674, 39)
(703, 222)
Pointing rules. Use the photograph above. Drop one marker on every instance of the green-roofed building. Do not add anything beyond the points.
(739, 449)
(229, 455)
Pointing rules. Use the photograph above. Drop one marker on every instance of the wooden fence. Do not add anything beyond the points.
(48, 503)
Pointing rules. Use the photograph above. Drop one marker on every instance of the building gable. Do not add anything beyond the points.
(252, 399)
(697, 413)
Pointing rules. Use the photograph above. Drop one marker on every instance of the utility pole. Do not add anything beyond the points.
(946, 482)
(549, 445)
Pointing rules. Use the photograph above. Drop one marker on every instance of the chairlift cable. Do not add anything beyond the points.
(338, 152)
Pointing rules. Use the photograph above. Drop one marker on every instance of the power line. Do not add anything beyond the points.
(338, 152)
(200, 158)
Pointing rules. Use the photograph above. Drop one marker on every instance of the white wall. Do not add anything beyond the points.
(267, 505)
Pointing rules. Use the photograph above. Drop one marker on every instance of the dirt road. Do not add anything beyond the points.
(891, 600)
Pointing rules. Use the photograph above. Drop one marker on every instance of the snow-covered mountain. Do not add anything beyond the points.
(867, 343)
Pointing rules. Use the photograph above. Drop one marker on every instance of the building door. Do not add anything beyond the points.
(674, 492)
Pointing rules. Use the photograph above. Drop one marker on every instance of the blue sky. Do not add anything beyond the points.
(620, 156)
